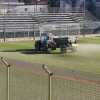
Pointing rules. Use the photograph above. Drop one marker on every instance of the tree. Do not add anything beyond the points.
(54, 3)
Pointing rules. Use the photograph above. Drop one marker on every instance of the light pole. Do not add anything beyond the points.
(4, 29)
(84, 9)
(37, 5)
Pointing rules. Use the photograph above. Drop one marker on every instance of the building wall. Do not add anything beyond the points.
(31, 9)
(8, 0)
(34, 2)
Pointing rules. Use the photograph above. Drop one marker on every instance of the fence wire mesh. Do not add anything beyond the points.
(69, 88)
(26, 84)
(3, 82)
(30, 82)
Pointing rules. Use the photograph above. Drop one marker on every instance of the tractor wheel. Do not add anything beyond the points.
(63, 49)
(52, 45)
(37, 46)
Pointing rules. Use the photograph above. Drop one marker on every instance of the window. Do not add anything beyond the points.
(54, 3)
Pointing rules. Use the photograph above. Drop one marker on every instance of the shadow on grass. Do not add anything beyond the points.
(30, 51)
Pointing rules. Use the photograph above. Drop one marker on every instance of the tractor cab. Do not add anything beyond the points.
(44, 38)
(45, 43)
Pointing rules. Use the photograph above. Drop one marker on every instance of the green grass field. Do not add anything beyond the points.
(94, 40)
(86, 58)
(27, 85)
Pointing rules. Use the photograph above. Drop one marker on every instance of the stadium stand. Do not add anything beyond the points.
(56, 17)
(25, 24)
(14, 23)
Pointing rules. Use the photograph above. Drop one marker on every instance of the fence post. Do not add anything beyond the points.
(8, 76)
(45, 68)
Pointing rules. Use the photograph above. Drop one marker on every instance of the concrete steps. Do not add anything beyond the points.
(26, 22)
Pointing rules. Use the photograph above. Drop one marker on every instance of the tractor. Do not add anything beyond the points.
(48, 42)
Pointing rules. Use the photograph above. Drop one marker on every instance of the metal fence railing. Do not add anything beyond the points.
(23, 81)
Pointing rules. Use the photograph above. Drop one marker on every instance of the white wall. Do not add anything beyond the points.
(30, 8)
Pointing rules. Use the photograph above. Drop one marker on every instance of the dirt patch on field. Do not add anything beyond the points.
(88, 49)
(60, 73)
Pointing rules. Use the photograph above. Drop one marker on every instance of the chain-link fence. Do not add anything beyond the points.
(32, 82)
